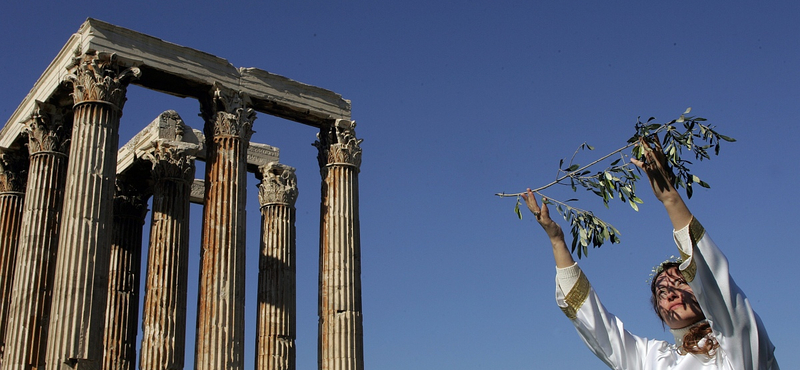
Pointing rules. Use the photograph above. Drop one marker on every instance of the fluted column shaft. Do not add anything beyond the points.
(341, 339)
(164, 312)
(81, 277)
(276, 322)
(12, 185)
(220, 316)
(10, 219)
(122, 307)
(29, 312)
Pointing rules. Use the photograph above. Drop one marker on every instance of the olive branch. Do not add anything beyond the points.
(681, 137)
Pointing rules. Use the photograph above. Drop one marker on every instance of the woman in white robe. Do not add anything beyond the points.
(698, 292)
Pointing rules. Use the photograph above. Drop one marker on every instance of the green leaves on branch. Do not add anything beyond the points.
(586, 228)
(516, 207)
(618, 179)
(682, 137)
(696, 137)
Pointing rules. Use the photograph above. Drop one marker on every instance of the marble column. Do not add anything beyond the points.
(164, 312)
(81, 277)
(125, 263)
(276, 323)
(13, 173)
(48, 130)
(341, 338)
(220, 315)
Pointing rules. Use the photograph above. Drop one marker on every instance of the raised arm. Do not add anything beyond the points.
(560, 252)
(660, 177)
(603, 333)
(740, 332)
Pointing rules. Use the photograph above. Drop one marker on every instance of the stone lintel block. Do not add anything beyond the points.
(183, 72)
(167, 127)
(259, 155)
(198, 191)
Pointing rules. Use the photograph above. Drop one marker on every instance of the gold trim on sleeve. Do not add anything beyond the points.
(690, 271)
(576, 296)
(696, 232)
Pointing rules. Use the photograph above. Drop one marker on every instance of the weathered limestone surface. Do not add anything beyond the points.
(81, 277)
(276, 322)
(13, 171)
(257, 155)
(48, 130)
(167, 127)
(164, 312)
(198, 191)
(220, 316)
(62, 317)
(122, 307)
(183, 72)
(341, 333)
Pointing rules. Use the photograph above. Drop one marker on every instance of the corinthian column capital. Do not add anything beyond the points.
(278, 185)
(49, 129)
(13, 171)
(99, 78)
(227, 113)
(338, 145)
(172, 161)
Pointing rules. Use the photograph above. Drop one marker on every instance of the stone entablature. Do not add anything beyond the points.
(169, 127)
(192, 73)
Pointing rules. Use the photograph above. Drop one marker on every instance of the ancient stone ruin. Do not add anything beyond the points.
(73, 204)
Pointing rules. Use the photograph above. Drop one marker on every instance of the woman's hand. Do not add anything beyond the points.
(542, 215)
(657, 171)
(655, 166)
(560, 252)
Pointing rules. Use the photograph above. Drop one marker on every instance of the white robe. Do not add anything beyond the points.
(743, 341)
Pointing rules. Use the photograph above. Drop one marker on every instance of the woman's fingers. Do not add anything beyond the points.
(542, 212)
(530, 201)
(545, 210)
(638, 163)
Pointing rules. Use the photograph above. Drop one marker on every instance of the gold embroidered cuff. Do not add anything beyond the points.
(696, 232)
(576, 296)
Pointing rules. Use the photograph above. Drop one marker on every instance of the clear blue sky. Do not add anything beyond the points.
(458, 100)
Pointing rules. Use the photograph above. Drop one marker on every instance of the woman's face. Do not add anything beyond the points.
(677, 305)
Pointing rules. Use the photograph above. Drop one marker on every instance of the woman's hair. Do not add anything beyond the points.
(697, 340)
(700, 340)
